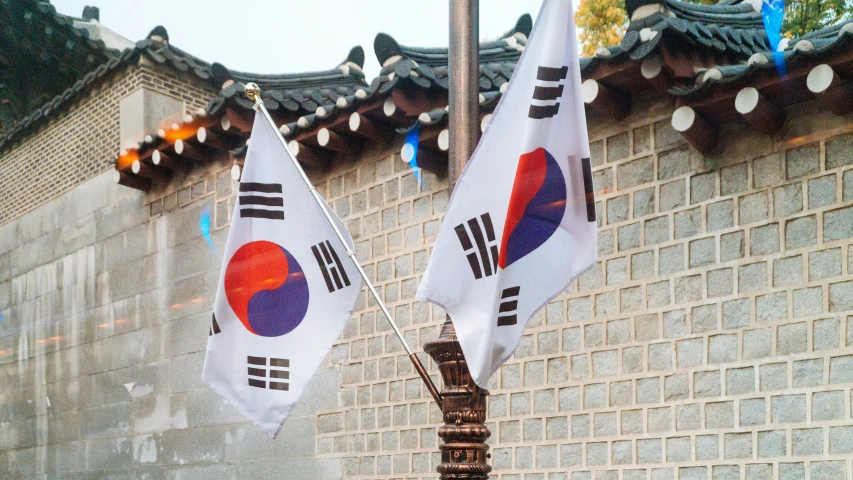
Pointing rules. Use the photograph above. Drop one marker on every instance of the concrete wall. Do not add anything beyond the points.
(714, 340)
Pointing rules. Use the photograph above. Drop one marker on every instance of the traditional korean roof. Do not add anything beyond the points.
(42, 54)
(713, 61)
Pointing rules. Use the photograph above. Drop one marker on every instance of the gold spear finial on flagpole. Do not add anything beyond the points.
(253, 91)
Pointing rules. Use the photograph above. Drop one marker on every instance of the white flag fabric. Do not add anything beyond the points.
(521, 221)
(286, 288)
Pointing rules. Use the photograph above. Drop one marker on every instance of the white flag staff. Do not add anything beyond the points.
(254, 93)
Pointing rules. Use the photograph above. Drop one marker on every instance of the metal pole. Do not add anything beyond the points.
(464, 452)
(464, 79)
(254, 93)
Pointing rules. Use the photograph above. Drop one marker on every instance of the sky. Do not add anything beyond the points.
(283, 36)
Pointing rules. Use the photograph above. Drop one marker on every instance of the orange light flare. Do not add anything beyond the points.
(3, 353)
(198, 300)
(180, 132)
(121, 321)
(126, 159)
(47, 340)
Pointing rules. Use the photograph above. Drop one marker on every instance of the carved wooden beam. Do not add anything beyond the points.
(428, 160)
(605, 99)
(197, 153)
(309, 156)
(393, 113)
(132, 181)
(366, 128)
(172, 162)
(759, 112)
(154, 172)
(832, 92)
(214, 140)
(695, 129)
(332, 141)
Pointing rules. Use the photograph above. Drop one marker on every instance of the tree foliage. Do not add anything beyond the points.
(603, 22)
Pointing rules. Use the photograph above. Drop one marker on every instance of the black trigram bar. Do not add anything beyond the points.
(247, 199)
(484, 265)
(551, 74)
(508, 307)
(214, 327)
(257, 368)
(548, 93)
(589, 189)
(330, 264)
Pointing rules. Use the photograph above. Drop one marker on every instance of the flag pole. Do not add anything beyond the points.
(254, 94)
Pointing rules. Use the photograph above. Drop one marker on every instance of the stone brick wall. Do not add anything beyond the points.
(82, 140)
(713, 340)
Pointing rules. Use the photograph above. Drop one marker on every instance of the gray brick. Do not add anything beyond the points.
(847, 186)
(671, 259)
(807, 441)
(722, 348)
(618, 147)
(720, 415)
(648, 390)
(635, 172)
(632, 421)
(826, 334)
(703, 252)
(822, 191)
(647, 327)
(676, 387)
(642, 141)
(841, 296)
(841, 369)
(721, 215)
(802, 160)
(771, 443)
(605, 364)
(604, 424)
(704, 318)
(736, 313)
(688, 417)
(673, 163)
(707, 384)
(792, 471)
(726, 472)
(594, 396)
(767, 170)
(657, 230)
(707, 447)
(740, 380)
(678, 449)
(788, 200)
(838, 224)
(596, 454)
(702, 187)
(734, 179)
(644, 202)
(629, 236)
(660, 356)
(621, 393)
(788, 271)
(827, 406)
(617, 209)
(675, 324)
(752, 412)
(828, 470)
(824, 264)
(773, 376)
(752, 208)
(731, 246)
(764, 240)
(759, 471)
(596, 153)
(808, 301)
(757, 343)
(801, 232)
(649, 451)
(632, 360)
(839, 151)
(772, 307)
(673, 195)
(808, 373)
(792, 338)
(720, 282)
(788, 408)
(688, 223)
(658, 294)
(602, 180)
(617, 270)
(737, 445)
(580, 309)
(752, 277)
(642, 265)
